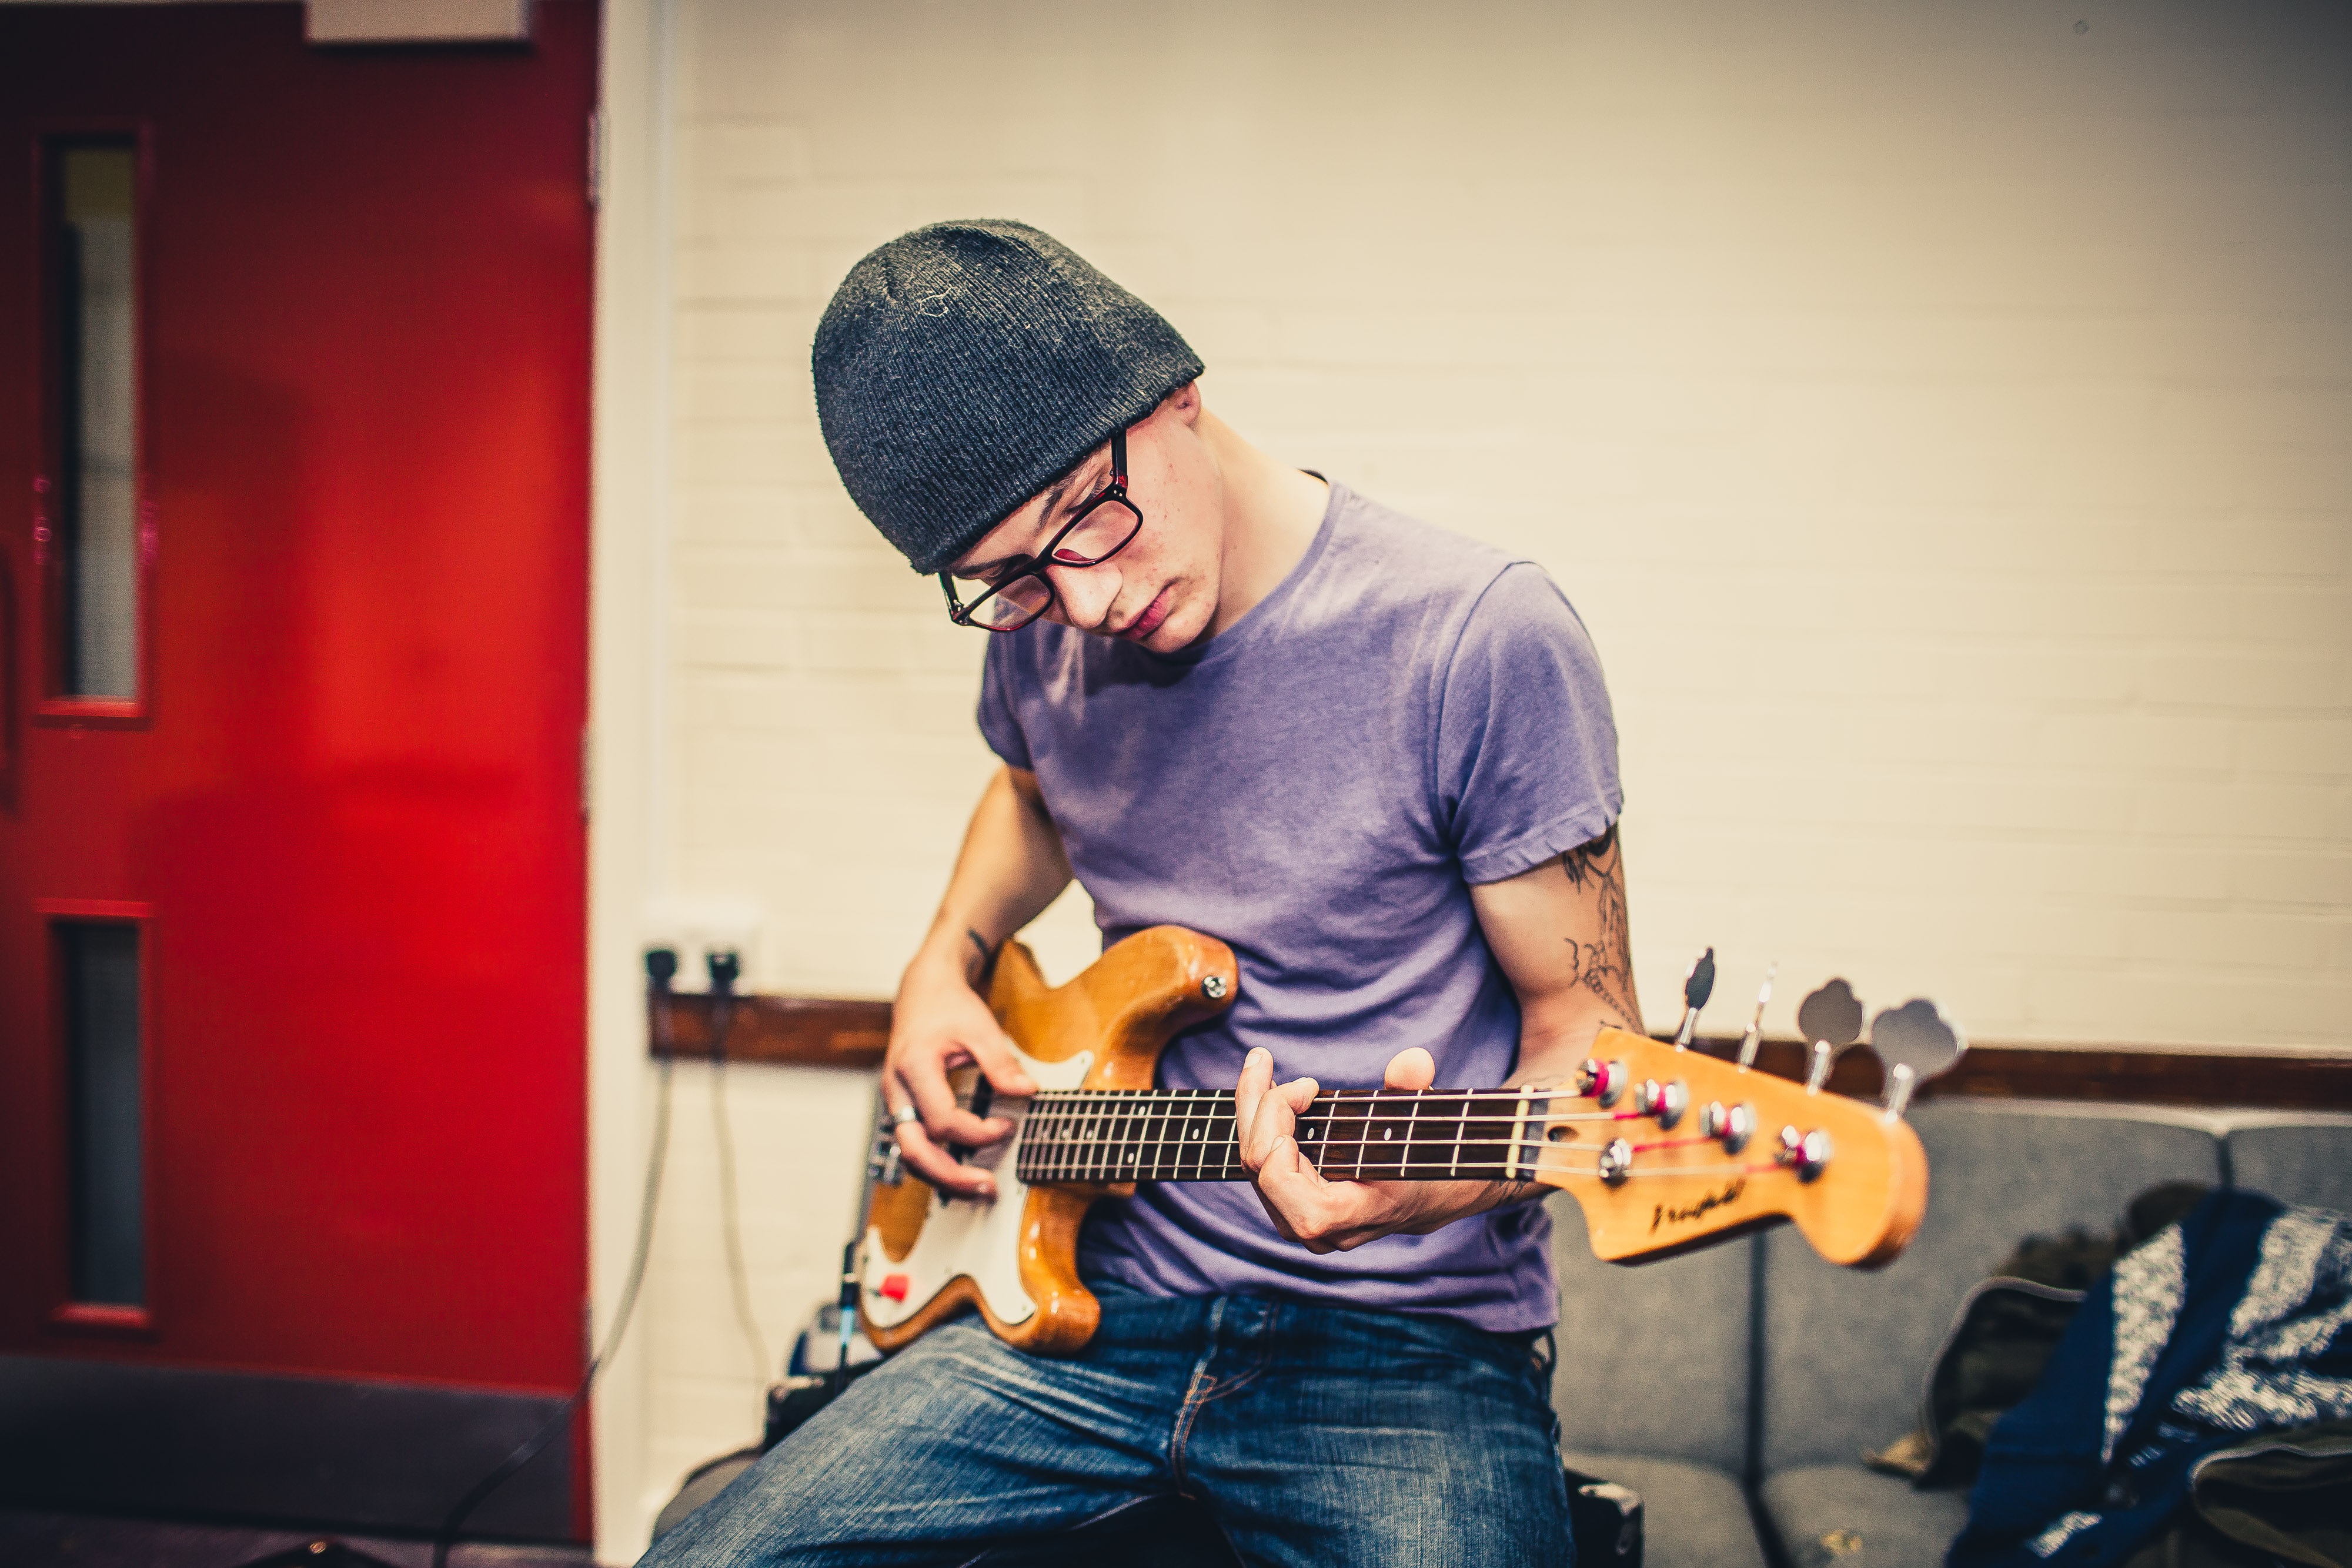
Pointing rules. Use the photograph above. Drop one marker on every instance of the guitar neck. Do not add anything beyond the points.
(1351, 1135)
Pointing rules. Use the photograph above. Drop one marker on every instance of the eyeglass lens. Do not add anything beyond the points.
(1102, 533)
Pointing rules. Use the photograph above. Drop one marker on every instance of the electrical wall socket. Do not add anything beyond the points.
(695, 928)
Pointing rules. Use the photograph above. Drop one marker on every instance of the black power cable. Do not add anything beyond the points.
(661, 968)
(726, 968)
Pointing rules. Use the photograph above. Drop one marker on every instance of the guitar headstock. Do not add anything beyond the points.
(1666, 1148)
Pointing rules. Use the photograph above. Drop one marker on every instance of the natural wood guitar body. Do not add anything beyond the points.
(1123, 1010)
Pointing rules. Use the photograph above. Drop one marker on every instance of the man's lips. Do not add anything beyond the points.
(1145, 624)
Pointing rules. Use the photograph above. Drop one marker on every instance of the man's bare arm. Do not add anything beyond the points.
(1561, 935)
(1011, 867)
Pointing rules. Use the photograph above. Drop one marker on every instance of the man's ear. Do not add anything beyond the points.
(1184, 403)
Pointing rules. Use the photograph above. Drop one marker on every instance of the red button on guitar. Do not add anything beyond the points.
(894, 1286)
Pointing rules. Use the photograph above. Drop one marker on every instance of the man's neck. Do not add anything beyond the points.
(1271, 515)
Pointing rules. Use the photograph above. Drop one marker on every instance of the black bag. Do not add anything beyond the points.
(794, 1399)
(1605, 1519)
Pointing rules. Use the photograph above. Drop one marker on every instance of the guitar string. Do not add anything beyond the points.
(1132, 1145)
(1112, 1159)
(1112, 1103)
(1139, 1096)
(1101, 1128)
(1108, 1158)
(1436, 1171)
(1110, 1097)
(1410, 1169)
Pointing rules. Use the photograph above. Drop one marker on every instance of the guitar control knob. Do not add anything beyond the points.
(1616, 1162)
(1602, 1081)
(1734, 1124)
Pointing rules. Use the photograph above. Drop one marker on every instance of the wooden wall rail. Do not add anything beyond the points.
(807, 1032)
(2111, 1074)
(810, 1031)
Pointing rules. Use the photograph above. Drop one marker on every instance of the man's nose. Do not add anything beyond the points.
(1085, 593)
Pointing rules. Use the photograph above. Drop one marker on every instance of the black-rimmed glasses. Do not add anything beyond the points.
(1021, 592)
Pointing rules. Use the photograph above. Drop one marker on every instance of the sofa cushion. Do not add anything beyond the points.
(1846, 1353)
(1828, 1514)
(1692, 1515)
(1652, 1358)
(2296, 1160)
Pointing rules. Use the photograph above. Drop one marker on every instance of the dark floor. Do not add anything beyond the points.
(30, 1540)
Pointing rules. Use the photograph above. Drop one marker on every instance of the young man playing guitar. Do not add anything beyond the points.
(1377, 760)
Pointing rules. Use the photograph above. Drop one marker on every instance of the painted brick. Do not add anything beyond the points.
(2306, 746)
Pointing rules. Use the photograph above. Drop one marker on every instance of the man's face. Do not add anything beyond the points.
(1161, 590)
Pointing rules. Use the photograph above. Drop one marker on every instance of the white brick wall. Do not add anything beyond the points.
(1938, 415)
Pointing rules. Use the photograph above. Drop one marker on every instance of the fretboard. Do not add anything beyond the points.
(1351, 1134)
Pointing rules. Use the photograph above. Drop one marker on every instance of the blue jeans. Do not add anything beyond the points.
(1312, 1435)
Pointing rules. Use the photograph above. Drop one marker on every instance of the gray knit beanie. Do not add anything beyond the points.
(965, 367)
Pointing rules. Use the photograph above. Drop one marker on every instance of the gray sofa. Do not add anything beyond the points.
(1735, 1388)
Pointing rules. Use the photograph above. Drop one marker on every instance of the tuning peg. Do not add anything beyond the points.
(1833, 1014)
(1756, 1025)
(1917, 1042)
(1697, 986)
(1831, 1018)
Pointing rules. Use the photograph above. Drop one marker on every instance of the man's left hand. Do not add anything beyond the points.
(1337, 1216)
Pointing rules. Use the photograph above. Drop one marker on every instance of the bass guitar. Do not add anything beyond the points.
(1664, 1148)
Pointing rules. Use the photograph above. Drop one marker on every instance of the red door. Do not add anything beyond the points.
(294, 363)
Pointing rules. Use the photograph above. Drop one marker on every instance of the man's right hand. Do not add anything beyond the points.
(938, 1024)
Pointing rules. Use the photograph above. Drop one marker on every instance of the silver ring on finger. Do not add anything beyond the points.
(904, 1115)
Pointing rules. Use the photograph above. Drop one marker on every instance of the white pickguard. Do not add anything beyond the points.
(975, 1236)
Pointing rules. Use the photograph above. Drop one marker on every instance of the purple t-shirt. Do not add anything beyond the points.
(1410, 712)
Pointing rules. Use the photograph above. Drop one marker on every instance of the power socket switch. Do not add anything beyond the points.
(695, 928)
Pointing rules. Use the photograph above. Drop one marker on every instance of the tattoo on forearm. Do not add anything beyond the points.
(987, 958)
(1605, 965)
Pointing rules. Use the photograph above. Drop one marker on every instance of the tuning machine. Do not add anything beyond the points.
(1755, 1035)
(1808, 1154)
(1917, 1042)
(1732, 1125)
(1831, 1019)
(1697, 986)
(1602, 1081)
(1616, 1161)
(1665, 1103)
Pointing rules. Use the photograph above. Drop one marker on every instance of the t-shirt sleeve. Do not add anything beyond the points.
(1000, 724)
(1526, 747)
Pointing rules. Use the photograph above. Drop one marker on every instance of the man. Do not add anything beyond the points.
(1376, 759)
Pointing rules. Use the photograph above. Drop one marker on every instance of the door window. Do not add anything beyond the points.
(99, 969)
(94, 546)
